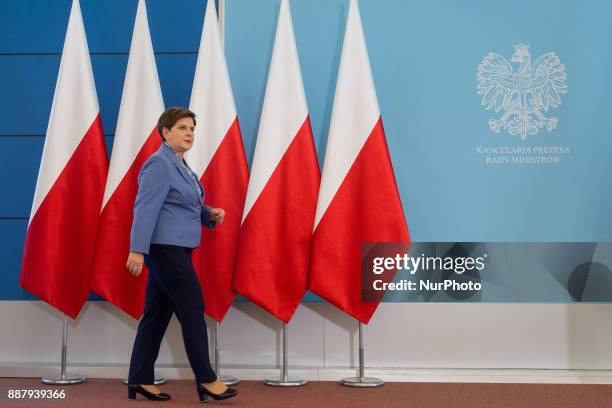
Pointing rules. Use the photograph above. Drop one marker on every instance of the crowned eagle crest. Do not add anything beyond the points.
(522, 94)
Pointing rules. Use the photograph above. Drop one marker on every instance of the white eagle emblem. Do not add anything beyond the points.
(522, 94)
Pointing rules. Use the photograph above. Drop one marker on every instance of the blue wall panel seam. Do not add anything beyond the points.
(21, 54)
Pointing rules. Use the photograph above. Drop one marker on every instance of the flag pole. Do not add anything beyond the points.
(63, 379)
(362, 381)
(225, 379)
(284, 380)
(222, 21)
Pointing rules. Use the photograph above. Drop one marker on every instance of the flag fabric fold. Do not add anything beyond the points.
(272, 261)
(65, 211)
(358, 199)
(217, 156)
(136, 138)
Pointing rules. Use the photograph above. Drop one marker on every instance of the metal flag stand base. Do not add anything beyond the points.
(361, 381)
(63, 379)
(225, 379)
(284, 380)
(156, 381)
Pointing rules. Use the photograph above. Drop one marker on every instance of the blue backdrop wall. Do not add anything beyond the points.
(424, 55)
(31, 40)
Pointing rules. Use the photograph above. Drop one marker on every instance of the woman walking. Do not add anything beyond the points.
(168, 214)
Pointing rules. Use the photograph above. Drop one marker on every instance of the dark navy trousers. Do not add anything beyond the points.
(172, 286)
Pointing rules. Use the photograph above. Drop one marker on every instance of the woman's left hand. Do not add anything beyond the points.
(217, 215)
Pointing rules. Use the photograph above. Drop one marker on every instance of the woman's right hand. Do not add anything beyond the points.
(135, 263)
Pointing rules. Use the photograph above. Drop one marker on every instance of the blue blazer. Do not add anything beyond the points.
(169, 208)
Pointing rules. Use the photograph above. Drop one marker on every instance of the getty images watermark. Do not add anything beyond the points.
(419, 269)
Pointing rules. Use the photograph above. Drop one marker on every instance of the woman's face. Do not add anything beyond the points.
(180, 136)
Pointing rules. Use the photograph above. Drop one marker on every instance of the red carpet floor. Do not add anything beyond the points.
(105, 393)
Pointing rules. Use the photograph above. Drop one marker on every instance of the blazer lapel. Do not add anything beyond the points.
(182, 170)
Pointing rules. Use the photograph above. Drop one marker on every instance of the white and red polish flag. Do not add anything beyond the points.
(358, 199)
(62, 227)
(217, 156)
(272, 261)
(136, 138)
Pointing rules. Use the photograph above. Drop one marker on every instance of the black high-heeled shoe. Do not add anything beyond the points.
(136, 388)
(203, 393)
